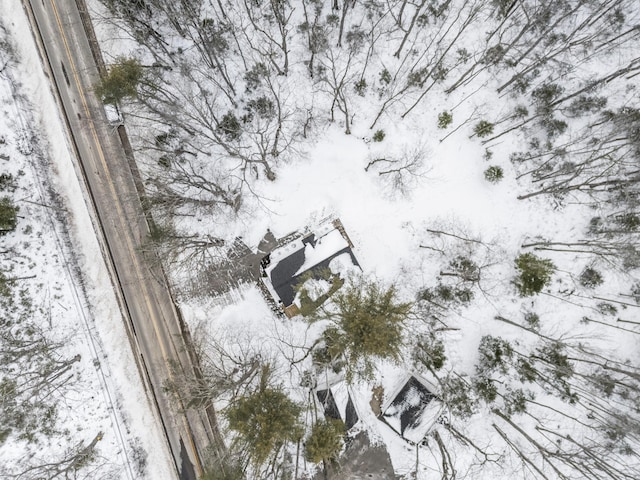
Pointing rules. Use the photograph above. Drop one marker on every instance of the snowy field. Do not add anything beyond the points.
(73, 405)
(537, 385)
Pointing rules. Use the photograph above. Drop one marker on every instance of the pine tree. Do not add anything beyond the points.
(483, 128)
(368, 325)
(493, 174)
(444, 119)
(121, 82)
(534, 273)
(264, 420)
(8, 215)
(228, 467)
(325, 441)
(493, 353)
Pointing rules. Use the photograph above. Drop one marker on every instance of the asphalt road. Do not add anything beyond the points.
(150, 314)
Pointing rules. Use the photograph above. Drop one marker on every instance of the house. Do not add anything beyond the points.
(412, 409)
(323, 254)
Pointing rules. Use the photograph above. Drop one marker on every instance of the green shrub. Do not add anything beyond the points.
(515, 401)
(444, 119)
(224, 468)
(635, 292)
(553, 126)
(385, 77)
(164, 161)
(360, 87)
(554, 354)
(378, 136)
(605, 383)
(532, 319)
(443, 294)
(544, 97)
(534, 273)
(628, 221)
(7, 182)
(255, 75)
(262, 106)
(458, 397)
(333, 20)
(465, 268)
(521, 111)
(606, 308)
(493, 174)
(526, 370)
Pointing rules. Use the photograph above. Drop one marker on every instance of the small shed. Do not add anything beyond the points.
(337, 403)
(412, 409)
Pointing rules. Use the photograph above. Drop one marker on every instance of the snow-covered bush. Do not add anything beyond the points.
(590, 278)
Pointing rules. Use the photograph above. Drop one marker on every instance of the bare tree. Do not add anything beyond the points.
(77, 463)
(400, 172)
(276, 13)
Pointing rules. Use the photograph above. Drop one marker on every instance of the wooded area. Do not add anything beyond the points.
(227, 96)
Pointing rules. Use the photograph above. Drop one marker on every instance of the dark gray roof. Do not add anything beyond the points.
(409, 412)
(331, 409)
(329, 405)
(284, 278)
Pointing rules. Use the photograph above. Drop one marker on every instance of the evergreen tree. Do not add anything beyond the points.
(533, 273)
(460, 399)
(8, 215)
(368, 325)
(493, 353)
(493, 174)
(444, 119)
(483, 128)
(325, 441)
(264, 420)
(429, 351)
(121, 82)
(224, 468)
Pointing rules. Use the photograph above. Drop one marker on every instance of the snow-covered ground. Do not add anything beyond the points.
(407, 234)
(56, 258)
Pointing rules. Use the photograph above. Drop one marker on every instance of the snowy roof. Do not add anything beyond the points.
(412, 411)
(312, 253)
(337, 404)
